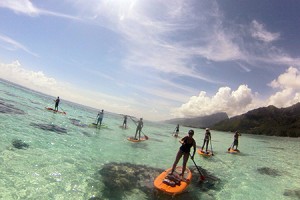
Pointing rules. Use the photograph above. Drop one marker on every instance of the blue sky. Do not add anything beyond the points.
(152, 58)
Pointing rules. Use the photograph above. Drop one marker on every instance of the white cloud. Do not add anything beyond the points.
(259, 32)
(225, 100)
(24, 6)
(38, 81)
(12, 45)
(288, 84)
(34, 80)
(155, 40)
(242, 100)
(220, 47)
(27, 8)
(289, 80)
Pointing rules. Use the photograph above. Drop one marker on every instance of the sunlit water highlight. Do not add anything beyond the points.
(66, 159)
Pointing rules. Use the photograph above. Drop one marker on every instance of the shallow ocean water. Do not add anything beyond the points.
(44, 155)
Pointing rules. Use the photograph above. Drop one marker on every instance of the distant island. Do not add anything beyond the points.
(271, 121)
(199, 122)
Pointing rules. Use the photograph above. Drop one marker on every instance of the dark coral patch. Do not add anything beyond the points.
(268, 171)
(122, 179)
(19, 144)
(77, 122)
(50, 127)
(292, 193)
(86, 134)
(9, 109)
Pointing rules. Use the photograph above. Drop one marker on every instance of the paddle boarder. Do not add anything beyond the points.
(125, 122)
(176, 130)
(236, 140)
(187, 143)
(207, 138)
(100, 118)
(139, 128)
(56, 104)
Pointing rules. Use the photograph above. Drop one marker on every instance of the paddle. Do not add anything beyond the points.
(62, 110)
(174, 132)
(202, 177)
(230, 147)
(212, 152)
(146, 137)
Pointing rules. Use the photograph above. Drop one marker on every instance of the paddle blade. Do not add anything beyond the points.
(201, 178)
(146, 137)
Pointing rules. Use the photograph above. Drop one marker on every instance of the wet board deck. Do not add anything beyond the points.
(233, 151)
(203, 153)
(173, 185)
(132, 139)
(55, 111)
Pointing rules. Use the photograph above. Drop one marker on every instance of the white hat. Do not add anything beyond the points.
(207, 129)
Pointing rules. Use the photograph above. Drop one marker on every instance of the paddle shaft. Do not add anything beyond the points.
(230, 146)
(174, 131)
(212, 152)
(61, 109)
(201, 174)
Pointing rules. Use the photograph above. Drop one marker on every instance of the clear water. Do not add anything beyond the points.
(81, 162)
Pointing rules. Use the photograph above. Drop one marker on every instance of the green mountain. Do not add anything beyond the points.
(265, 121)
(199, 122)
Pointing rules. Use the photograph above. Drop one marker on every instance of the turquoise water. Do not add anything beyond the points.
(63, 158)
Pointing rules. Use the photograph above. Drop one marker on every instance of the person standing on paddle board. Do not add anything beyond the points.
(100, 118)
(56, 104)
(176, 130)
(125, 121)
(236, 140)
(207, 138)
(187, 143)
(139, 128)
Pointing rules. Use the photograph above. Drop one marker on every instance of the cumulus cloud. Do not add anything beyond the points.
(288, 85)
(259, 32)
(225, 100)
(35, 80)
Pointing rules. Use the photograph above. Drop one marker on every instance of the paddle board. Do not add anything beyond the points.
(173, 184)
(205, 154)
(132, 139)
(233, 151)
(55, 111)
(94, 125)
